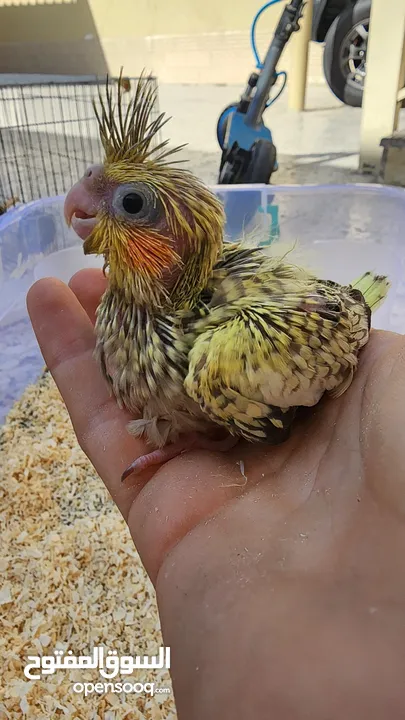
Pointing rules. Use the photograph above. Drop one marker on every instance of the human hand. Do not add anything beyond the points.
(282, 596)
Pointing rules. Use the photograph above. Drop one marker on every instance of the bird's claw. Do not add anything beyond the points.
(163, 455)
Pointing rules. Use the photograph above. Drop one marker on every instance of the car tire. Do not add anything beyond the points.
(348, 92)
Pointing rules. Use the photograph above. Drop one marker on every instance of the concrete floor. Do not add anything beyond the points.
(320, 145)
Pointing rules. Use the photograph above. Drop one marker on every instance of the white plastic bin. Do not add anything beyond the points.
(338, 231)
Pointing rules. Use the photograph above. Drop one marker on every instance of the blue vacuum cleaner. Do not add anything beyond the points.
(248, 152)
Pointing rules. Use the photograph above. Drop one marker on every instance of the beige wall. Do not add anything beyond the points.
(191, 41)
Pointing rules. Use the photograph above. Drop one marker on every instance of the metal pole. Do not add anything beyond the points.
(297, 76)
(287, 25)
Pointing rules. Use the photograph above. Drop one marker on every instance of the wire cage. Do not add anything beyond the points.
(49, 135)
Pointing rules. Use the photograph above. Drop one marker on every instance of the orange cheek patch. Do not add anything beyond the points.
(147, 253)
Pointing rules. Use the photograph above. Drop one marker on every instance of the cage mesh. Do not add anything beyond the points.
(49, 135)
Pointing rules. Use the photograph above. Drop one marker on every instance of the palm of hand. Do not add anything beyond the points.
(325, 509)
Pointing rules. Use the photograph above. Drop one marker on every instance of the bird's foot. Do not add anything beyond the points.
(193, 441)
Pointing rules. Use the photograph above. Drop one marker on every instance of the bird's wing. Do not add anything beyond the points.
(257, 360)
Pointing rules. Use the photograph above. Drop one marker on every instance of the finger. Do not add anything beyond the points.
(88, 286)
(66, 338)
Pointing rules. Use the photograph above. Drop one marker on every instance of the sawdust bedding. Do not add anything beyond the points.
(70, 577)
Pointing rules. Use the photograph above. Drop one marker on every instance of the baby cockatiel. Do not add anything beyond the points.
(203, 342)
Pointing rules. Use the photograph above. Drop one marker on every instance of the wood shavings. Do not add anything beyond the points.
(70, 575)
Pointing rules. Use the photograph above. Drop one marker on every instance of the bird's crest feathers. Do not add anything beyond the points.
(130, 133)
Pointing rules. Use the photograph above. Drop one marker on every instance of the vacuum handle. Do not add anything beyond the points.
(288, 24)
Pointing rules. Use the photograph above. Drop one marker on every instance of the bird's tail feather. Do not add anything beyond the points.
(374, 289)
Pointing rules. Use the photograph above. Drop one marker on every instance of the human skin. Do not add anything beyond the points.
(282, 596)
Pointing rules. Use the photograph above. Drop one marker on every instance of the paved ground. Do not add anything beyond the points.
(319, 145)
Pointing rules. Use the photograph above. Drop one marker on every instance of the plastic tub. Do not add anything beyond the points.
(63, 264)
(338, 231)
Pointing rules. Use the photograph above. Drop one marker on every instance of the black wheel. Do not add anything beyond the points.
(248, 166)
(262, 163)
(344, 58)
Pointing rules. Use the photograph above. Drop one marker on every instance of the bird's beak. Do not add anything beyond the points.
(81, 205)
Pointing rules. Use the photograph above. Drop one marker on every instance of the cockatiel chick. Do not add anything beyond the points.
(205, 342)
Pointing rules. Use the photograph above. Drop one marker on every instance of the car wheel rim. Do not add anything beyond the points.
(353, 54)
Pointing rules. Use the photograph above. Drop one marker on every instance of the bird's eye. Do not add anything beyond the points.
(136, 202)
(132, 203)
